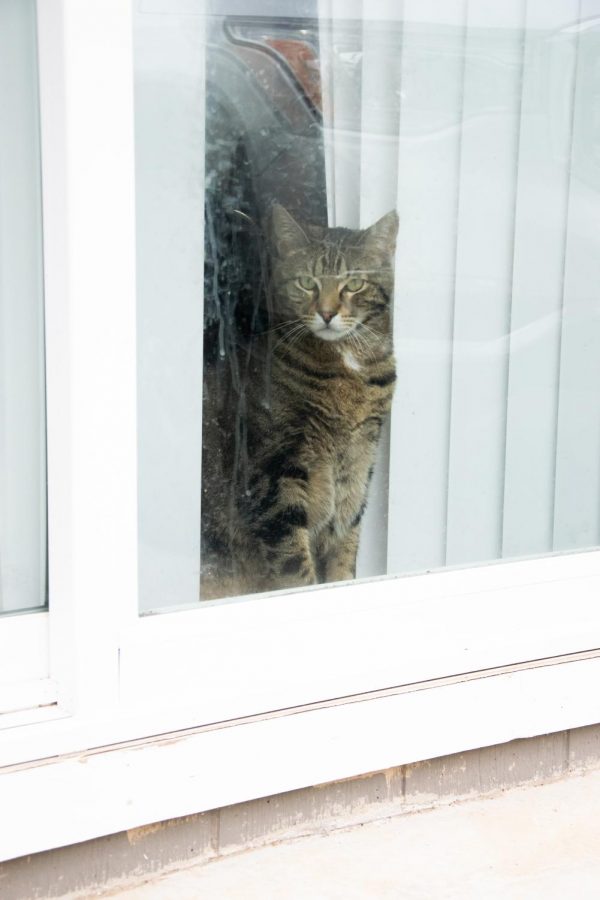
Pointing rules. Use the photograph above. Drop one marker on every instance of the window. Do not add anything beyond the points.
(22, 398)
(476, 123)
(454, 118)
(23, 533)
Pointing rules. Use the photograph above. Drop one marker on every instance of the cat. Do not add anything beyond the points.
(290, 432)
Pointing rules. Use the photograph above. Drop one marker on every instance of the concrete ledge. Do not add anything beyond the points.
(534, 842)
(87, 869)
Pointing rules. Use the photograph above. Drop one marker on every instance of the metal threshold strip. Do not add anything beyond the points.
(459, 678)
(392, 691)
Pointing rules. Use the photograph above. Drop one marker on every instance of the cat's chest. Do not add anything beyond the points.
(348, 401)
(350, 362)
(330, 396)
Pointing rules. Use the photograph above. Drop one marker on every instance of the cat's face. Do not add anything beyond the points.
(333, 282)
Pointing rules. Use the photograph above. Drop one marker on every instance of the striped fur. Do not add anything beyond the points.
(290, 434)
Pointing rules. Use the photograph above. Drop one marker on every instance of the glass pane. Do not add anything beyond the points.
(274, 155)
(22, 393)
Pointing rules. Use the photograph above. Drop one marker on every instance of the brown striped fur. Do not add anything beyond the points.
(290, 439)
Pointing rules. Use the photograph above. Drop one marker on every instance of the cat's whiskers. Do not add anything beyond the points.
(298, 332)
(369, 330)
(369, 352)
(281, 325)
(371, 339)
(292, 334)
(294, 340)
(359, 341)
(355, 343)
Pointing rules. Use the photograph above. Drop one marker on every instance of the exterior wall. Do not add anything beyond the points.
(90, 868)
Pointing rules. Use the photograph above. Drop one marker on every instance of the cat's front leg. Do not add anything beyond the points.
(339, 560)
(288, 554)
(283, 530)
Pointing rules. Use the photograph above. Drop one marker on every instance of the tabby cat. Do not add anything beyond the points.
(290, 431)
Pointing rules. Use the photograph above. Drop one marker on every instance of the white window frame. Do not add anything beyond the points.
(316, 685)
(24, 664)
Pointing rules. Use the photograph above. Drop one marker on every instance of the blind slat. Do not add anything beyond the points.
(577, 497)
(540, 232)
(169, 118)
(490, 131)
(379, 122)
(432, 73)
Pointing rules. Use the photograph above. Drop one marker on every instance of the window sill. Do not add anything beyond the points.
(79, 797)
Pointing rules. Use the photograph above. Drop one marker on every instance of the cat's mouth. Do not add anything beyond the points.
(326, 334)
(332, 330)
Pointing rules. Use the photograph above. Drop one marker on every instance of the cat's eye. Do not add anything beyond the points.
(307, 283)
(354, 284)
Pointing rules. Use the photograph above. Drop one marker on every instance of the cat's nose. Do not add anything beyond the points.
(326, 316)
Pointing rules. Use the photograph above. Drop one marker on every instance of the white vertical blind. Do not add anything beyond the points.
(577, 497)
(22, 401)
(542, 180)
(482, 287)
(428, 167)
(341, 85)
(495, 432)
(379, 123)
(361, 121)
(169, 118)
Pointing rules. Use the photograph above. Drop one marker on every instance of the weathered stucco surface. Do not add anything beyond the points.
(84, 869)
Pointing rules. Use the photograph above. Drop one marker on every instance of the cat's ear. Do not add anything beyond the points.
(288, 236)
(381, 237)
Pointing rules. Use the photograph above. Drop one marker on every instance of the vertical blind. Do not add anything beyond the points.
(488, 144)
(361, 111)
(169, 144)
(22, 398)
